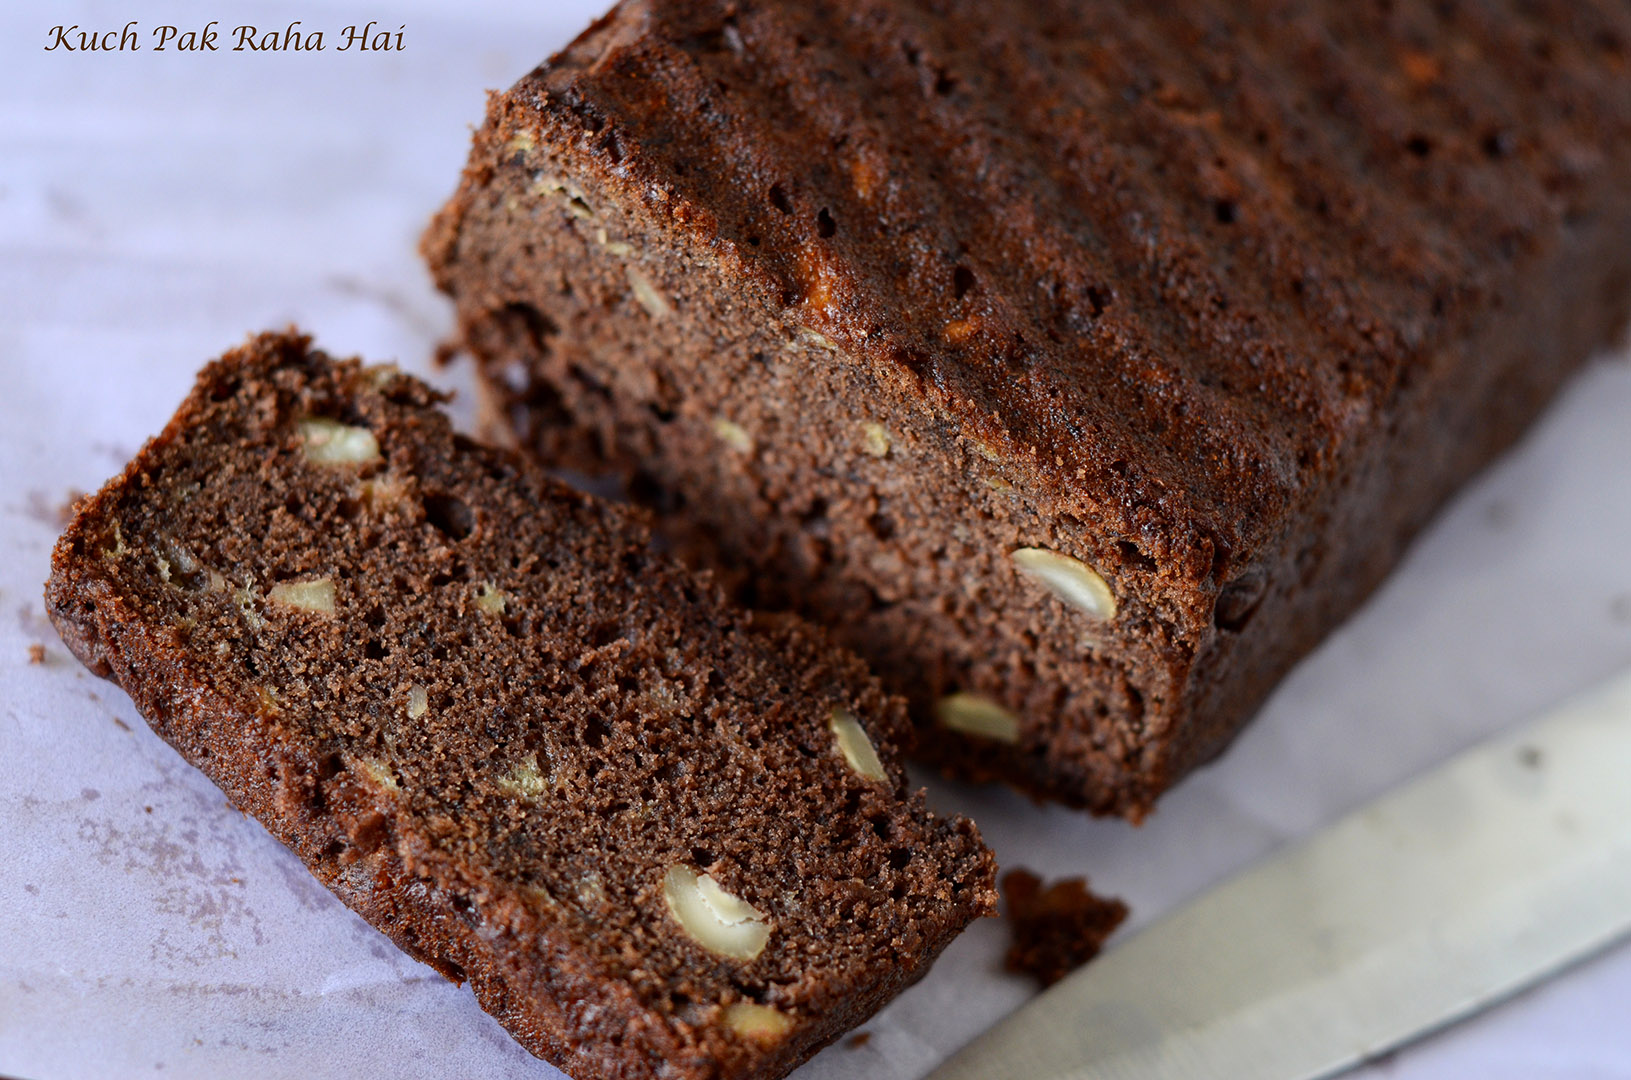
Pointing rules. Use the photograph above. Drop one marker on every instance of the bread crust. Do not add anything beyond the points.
(1220, 299)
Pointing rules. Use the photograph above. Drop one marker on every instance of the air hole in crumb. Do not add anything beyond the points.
(594, 734)
(223, 390)
(1497, 144)
(882, 526)
(825, 225)
(778, 199)
(753, 241)
(1135, 704)
(589, 383)
(646, 490)
(333, 849)
(1419, 145)
(944, 83)
(374, 650)
(962, 280)
(458, 571)
(880, 825)
(900, 858)
(1134, 556)
(450, 515)
(755, 994)
(1097, 299)
(526, 326)
(1225, 211)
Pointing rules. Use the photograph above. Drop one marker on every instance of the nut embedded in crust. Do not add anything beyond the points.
(525, 780)
(490, 599)
(1071, 580)
(377, 771)
(760, 1023)
(315, 596)
(875, 440)
(855, 746)
(329, 442)
(733, 435)
(721, 923)
(655, 303)
(975, 715)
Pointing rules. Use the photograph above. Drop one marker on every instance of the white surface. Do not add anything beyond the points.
(156, 207)
(1445, 894)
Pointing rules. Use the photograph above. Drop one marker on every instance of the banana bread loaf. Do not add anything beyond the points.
(659, 838)
(1080, 364)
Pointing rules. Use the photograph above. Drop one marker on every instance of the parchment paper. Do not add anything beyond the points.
(155, 207)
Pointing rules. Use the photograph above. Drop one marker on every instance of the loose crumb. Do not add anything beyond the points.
(1058, 929)
(36, 653)
(859, 1039)
(43, 509)
(446, 352)
(65, 511)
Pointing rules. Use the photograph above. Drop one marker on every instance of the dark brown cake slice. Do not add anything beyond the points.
(659, 838)
(1080, 364)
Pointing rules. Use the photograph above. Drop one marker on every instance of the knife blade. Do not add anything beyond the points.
(1450, 892)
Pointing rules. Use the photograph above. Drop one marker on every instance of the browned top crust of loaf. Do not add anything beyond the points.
(492, 720)
(1197, 275)
(1175, 328)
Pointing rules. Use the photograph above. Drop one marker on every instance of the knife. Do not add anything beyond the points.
(1443, 896)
